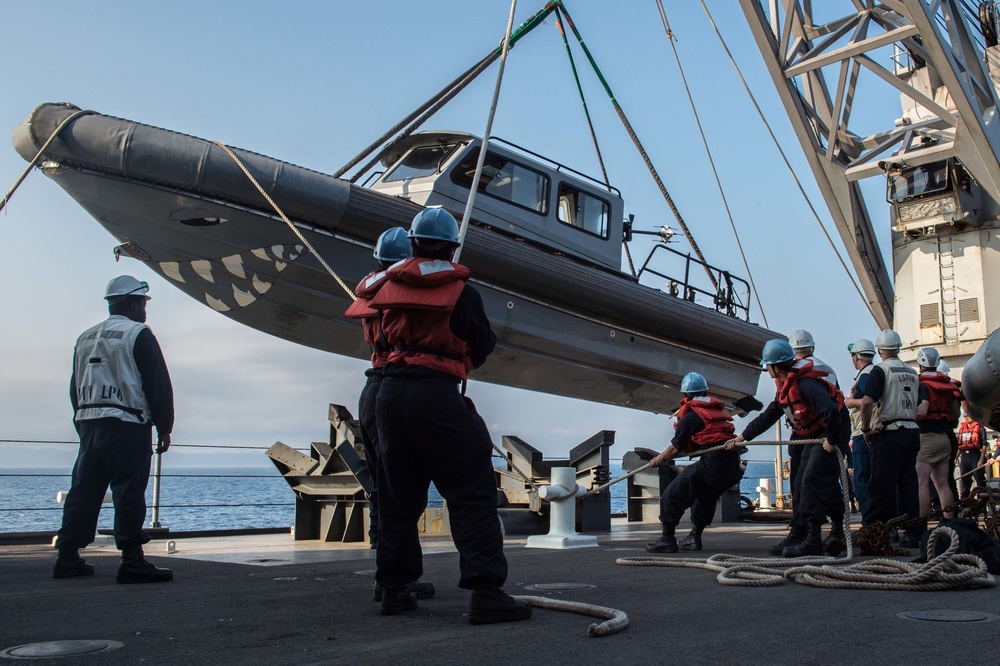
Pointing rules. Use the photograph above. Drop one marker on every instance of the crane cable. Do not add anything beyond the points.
(788, 164)
(672, 38)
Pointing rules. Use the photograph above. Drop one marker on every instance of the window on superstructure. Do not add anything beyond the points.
(506, 180)
(583, 211)
(421, 161)
(925, 179)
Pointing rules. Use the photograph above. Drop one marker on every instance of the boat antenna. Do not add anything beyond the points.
(672, 38)
(467, 215)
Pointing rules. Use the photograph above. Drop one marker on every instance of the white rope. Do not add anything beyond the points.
(467, 215)
(615, 620)
(948, 571)
(284, 217)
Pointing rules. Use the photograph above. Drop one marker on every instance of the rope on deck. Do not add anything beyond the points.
(614, 620)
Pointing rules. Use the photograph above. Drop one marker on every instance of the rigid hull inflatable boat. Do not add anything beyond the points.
(544, 248)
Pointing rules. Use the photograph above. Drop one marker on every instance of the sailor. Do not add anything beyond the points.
(888, 422)
(862, 356)
(392, 246)
(813, 406)
(972, 453)
(803, 344)
(120, 389)
(702, 421)
(437, 328)
(939, 407)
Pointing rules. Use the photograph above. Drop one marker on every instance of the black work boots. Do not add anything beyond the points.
(69, 564)
(795, 536)
(692, 541)
(665, 544)
(491, 604)
(142, 571)
(835, 543)
(420, 589)
(397, 599)
(811, 545)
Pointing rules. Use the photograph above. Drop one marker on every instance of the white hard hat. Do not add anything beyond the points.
(801, 339)
(889, 340)
(125, 285)
(863, 346)
(928, 357)
(943, 367)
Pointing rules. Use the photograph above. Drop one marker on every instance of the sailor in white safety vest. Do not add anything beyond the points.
(120, 389)
(888, 423)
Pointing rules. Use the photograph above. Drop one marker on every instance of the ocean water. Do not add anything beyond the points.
(218, 498)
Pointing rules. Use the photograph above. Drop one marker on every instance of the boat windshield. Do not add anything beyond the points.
(924, 179)
(421, 161)
(506, 180)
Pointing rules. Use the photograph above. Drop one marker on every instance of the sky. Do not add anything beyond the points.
(312, 83)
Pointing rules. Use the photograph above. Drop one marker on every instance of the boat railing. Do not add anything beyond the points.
(36, 504)
(732, 297)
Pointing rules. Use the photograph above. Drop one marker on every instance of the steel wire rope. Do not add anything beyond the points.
(467, 215)
(788, 164)
(642, 151)
(284, 217)
(708, 151)
(40, 153)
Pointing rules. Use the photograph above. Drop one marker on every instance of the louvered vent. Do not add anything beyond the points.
(968, 309)
(929, 315)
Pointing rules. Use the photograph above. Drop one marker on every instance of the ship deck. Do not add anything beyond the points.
(266, 599)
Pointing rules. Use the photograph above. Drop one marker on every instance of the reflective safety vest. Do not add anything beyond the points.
(718, 422)
(970, 436)
(897, 408)
(805, 421)
(361, 309)
(945, 395)
(108, 382)
(856, 411)
(416, 305)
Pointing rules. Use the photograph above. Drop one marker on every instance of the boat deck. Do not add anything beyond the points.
(270, 600)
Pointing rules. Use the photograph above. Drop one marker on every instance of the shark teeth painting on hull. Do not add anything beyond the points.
(240, 279)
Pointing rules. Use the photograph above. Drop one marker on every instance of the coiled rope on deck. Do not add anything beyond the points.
(948, 571)
(614, 620)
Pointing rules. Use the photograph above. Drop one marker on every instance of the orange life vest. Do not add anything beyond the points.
(943, 392)
(416, 305)
(361, 309)
(805, 420)
(718, 422)
(969, 436)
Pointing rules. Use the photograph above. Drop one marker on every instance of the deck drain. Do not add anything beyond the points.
(50, 649)
(947, 616)
(559, 587)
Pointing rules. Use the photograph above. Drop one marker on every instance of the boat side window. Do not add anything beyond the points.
(922, 180)
(583, 211)
(506, 180)
(421, 161)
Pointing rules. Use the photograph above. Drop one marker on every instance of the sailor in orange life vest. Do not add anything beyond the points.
(392, 246)
(972, 452)
(702, 421)
(437, 329)
(940, 402)
(813, 406)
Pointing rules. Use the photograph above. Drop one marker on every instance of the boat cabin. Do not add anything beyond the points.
(519, 193)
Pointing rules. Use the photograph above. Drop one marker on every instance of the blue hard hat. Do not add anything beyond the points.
(777, 351)
(435, 224)
(393, 245)
(693, 383)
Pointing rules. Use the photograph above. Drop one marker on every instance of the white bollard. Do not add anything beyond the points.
(765, 494)
(562, 494)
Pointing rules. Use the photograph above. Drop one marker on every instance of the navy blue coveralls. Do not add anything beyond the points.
(428, 431)
(117, 453)
(700, 485)
(816, 483)
(893, 488)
